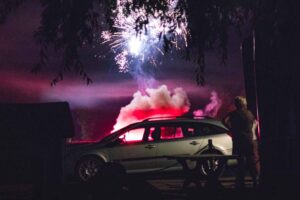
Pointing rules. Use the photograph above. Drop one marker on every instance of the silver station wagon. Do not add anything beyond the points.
(144, 146)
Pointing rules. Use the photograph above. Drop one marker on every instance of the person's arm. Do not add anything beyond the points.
(255, 123)
(226, 122)
(254, 126)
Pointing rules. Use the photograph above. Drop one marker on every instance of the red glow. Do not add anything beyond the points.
(139, 115)
(161, 112)
(81, 141)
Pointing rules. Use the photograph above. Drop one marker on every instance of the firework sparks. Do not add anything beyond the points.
(131, 42)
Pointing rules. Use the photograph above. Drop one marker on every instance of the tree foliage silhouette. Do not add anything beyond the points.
(68, 24)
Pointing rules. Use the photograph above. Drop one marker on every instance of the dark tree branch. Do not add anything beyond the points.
(8, 6)
(68, 24)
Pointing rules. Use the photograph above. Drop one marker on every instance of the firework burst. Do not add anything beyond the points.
(141, 37)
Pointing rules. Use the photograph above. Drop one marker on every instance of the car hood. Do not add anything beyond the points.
(74, 147)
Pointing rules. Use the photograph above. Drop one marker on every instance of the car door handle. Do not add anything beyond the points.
(150, 146)
(194, 143)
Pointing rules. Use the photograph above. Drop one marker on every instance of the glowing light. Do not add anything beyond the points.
(146, 41)
(135, 46)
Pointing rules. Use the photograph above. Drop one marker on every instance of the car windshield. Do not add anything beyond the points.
(109, 137)
(116, 133)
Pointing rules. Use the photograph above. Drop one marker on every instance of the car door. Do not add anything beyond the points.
(133, 152)
(176, 139)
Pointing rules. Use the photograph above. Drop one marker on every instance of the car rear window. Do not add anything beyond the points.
(209, 129)
(165, 132)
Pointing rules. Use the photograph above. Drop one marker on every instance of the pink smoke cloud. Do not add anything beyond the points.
(156, 102)
(212, 108)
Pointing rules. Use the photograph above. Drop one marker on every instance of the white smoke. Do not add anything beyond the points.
(212, 108)
(154, 103)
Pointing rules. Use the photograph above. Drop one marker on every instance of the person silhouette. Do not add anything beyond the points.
(242, 123)
(156, 134)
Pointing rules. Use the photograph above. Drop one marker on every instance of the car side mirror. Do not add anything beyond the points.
(116, 142)
(120, 141)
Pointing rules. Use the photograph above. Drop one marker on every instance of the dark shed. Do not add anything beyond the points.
(32, 141)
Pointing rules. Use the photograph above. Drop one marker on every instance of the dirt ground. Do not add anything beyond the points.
(153, 187)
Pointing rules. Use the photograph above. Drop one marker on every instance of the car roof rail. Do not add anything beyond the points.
(158, 118)
(197, 117)
(203, 117)
(177, 117)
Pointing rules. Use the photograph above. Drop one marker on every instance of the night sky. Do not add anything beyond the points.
(95, 107)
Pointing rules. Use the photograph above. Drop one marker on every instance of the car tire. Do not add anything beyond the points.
(88, 167)
(214, 168)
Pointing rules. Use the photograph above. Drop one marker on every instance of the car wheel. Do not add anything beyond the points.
(88, 167)
(213, 167)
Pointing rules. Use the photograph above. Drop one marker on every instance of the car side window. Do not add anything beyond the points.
(133, 135)
(165, 133)
(154, 134)
(208, 129)
(171, 132)
(189, 131)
